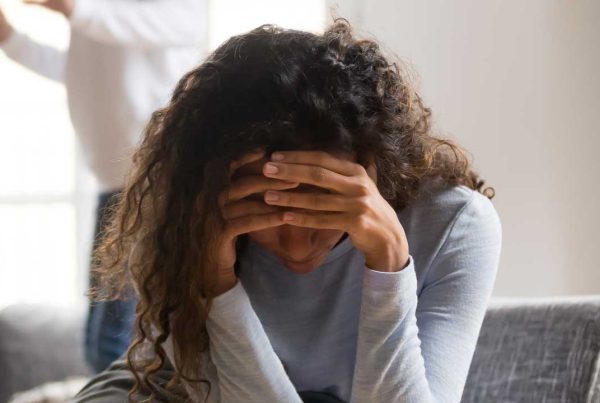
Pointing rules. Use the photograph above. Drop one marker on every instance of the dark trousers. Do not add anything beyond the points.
(109, 326)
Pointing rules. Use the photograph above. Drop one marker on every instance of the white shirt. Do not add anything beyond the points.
(123, 61)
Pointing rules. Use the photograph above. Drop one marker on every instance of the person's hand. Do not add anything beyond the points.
(65, 7)
(354, 204)
(242, 214)
(6, 29)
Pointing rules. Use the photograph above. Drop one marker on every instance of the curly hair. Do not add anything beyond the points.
(275, 88)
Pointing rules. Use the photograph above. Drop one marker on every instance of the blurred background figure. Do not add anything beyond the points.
(121, 64)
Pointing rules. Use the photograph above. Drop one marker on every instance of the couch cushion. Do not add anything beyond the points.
(537, 351)
(39, 344)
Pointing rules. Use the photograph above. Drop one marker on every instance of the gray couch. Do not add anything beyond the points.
(537, 351)
(37, 345)
(528, 351)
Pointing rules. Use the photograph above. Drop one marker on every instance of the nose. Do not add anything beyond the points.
(297, 243)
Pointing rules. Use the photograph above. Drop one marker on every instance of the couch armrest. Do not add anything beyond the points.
(534, 350)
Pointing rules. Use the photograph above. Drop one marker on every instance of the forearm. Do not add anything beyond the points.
(247, 366)
(389, 366)
(420, 349)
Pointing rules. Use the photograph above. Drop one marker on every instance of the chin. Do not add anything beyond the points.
(304, 267)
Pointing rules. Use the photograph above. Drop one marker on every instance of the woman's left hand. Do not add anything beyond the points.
(354, 204)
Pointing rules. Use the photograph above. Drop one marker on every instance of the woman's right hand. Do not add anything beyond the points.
(243, 215)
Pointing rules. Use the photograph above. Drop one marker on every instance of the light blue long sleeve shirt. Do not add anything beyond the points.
(362, 335)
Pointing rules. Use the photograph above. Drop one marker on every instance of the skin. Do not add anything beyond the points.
(300, 210)
(6, 29)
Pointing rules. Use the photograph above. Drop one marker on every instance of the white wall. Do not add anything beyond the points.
(517, 83)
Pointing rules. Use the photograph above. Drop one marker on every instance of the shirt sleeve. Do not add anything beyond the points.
(419, 349)
(42, 59)
(247, 366)
(143, 24)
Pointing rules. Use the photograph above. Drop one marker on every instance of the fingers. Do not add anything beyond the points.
(311, 174)
(247, 158)
(319, 158)
(249, 223)
(337, 221)
(311, 201)
(249, 185)
(247, 207)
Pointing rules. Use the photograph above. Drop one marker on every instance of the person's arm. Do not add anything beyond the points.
(142, 24)
(42, 59)
(419, 350)
(248, 368)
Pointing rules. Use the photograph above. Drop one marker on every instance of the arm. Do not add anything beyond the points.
(42, 59)
(247, 366)
(419, 350)
(143, 24)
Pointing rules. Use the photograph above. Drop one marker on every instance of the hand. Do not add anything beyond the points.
(6, 29)
(65, 7)
(354, 204)
(243, 215)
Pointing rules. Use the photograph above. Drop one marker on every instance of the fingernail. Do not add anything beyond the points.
(277, 156)
(271, 196)
(271, 169)
(289, 216)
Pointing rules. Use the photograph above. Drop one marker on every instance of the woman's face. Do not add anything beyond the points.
(300, 249)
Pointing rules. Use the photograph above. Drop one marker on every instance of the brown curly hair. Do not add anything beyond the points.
(275, 88)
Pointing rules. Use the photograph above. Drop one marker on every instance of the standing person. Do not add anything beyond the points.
(293, 227)
(123, 59)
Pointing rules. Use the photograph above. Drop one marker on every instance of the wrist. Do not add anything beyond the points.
(223, 287)
(388, 267)
(391, 260)
(226, 281)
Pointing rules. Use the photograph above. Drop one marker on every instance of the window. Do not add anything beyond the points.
(38, 214)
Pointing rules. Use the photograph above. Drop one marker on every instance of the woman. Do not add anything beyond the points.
(291, 225)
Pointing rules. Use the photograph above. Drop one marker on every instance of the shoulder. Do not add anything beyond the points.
(458, 204)
(443, 221)
(436, 211)
(448, 201)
